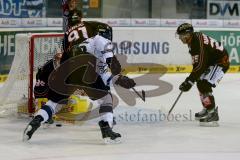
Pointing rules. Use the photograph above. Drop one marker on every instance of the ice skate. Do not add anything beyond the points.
(200, 115)
(108, 135)
(31, 128)
(211, 120)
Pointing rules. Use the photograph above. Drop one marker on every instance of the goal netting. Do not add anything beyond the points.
(31, 52)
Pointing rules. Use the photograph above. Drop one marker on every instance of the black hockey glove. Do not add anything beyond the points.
(114, 65)
(186, 85)
(125, 82)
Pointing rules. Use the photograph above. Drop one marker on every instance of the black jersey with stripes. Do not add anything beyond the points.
(205, 52)
(77, 34)
(74, 36)
(41, 88)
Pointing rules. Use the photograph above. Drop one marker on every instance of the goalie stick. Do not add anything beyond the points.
(169, 112)
(141, 96)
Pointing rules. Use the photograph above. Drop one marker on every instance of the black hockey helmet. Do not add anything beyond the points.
(105, 31)
(185, 28)
(74, 17)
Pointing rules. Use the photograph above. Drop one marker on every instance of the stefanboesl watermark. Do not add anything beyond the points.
(141, 116)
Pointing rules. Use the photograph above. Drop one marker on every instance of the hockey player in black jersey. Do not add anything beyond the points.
(79, 30)
(42, 90)
(210, 62)
(94, 38)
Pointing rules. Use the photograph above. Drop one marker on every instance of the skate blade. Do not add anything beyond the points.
(209, 124)
(110, 141)
(25, 136)
(46, 125)
(198, 118)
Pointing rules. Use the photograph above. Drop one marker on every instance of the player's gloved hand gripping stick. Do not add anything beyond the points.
(129, 83)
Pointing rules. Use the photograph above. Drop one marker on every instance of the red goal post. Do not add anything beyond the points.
(32, 50)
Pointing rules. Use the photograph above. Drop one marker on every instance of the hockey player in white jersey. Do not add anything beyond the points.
(101, 48)
(76, 42)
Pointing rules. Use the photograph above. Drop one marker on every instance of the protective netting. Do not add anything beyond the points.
(41, 47)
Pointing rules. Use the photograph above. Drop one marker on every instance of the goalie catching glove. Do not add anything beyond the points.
(125, 82)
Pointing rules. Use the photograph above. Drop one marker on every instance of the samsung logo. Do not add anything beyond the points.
(137, 48)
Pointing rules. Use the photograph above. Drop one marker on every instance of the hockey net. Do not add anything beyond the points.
(31, 52)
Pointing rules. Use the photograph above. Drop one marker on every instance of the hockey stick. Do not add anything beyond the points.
(169, 112)
(141, 96)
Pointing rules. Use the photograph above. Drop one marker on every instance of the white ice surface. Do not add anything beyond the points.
(175, 140)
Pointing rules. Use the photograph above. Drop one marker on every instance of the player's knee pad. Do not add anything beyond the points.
(207, 100)
(204, 86)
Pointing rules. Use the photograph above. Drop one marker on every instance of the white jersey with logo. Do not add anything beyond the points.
(102, 49)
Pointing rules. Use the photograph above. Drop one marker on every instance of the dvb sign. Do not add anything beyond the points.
(223, 9)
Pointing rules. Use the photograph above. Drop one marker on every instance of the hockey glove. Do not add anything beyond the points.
(114, 65)
(186, 85)
(125, 82)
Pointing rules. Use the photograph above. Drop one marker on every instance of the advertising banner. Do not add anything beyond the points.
(231, 23)
(7, 47)
(115, 22)
(145, 22)
(22, 8)
(207, 23)
(230, 40)
(10, 22)
(139, 45)
(150, 44)
(173, 22)
(217, 9)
